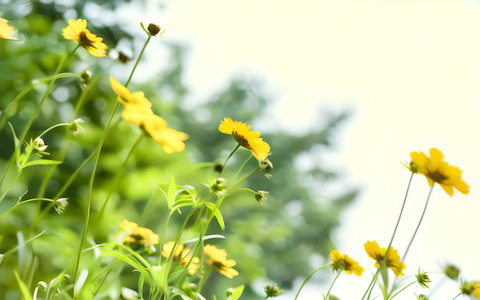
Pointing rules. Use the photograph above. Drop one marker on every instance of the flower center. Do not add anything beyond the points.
(241, 140)
(84, 41)
(437, 176)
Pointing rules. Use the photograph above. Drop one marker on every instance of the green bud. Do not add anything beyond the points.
(153, 29)
(451, 271)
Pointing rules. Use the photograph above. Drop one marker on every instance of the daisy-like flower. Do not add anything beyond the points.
(344, 262)
(77, 31)
(218, 259)
(138, 110)
(6, 31)
(476, 290)
(393, 259)
(439, 171)
(248, 139)
(181, 254)
(139, 235)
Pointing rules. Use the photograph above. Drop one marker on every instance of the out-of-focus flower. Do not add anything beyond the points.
(77, 31)
(476, 290)
(437, 170)
(272, 290)
(248, 139)
(344, 262)
(139, 236)
(6, 31)
(181, 254)
(393, 260)
(218, 259)
(451, 271)
(138, 110)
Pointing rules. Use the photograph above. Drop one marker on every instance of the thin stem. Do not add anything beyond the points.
(331, 286)
(400, 215)
(403, 289)
(23, 202)
(231, 153)
(457, 296)
(308, 277)
(92, 178)
(371, 285)
(419, 223)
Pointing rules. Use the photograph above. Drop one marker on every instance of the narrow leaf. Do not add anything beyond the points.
(217, 214)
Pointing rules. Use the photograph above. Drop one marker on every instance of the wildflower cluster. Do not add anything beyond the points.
(177, 268)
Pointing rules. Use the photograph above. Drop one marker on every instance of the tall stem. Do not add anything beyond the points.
(92, 178)
(419, 223)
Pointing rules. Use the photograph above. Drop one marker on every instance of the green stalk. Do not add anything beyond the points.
(308, 277)
(92, 178)
(331, 286)
(419, 223)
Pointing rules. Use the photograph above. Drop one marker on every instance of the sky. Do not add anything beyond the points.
(408, 71)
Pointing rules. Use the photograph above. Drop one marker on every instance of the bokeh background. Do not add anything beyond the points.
(343, 91)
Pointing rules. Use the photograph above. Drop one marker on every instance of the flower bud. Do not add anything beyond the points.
(60, 205)
(39, 145)
(218, 168)
(122, 57)
(76, 128)
(451, 271)
(85, 76)
(272, 290)
(422, 278)
(153, 29)
(260, 196)
(219, 185)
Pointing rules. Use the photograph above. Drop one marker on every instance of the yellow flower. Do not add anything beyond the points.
(138, 110)
(180, 253)
(437, 170)
(344, 262)
(77, 31)
(218, 259)
(476, 290)
(393, 259)
(248, 139)
(139, 235)
(6, 31)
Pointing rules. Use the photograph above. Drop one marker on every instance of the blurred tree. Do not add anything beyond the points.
(273, 242)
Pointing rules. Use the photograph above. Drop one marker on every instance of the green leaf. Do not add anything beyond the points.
(41, 162)
(217, 214)
(23, 288)
(237, 292)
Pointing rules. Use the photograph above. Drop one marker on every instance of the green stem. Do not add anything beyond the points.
(331, 286)
(23, 202)
(114, 185)
(231, 153)
(308, 277)
(419, 223)
(371, 285)
(457, 296)
(92, 177)
(403, 289)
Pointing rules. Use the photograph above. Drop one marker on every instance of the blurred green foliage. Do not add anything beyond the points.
(271, 242)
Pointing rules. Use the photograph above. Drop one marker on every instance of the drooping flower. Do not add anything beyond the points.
(393, 260)
(248, 139)
(181, 254)
(218, 259)
(6, 31)
(470, 288)
(437, 170)
(344, 262)
(77, 31)
(138, 110)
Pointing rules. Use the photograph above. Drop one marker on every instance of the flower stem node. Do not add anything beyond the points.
(272, 290)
